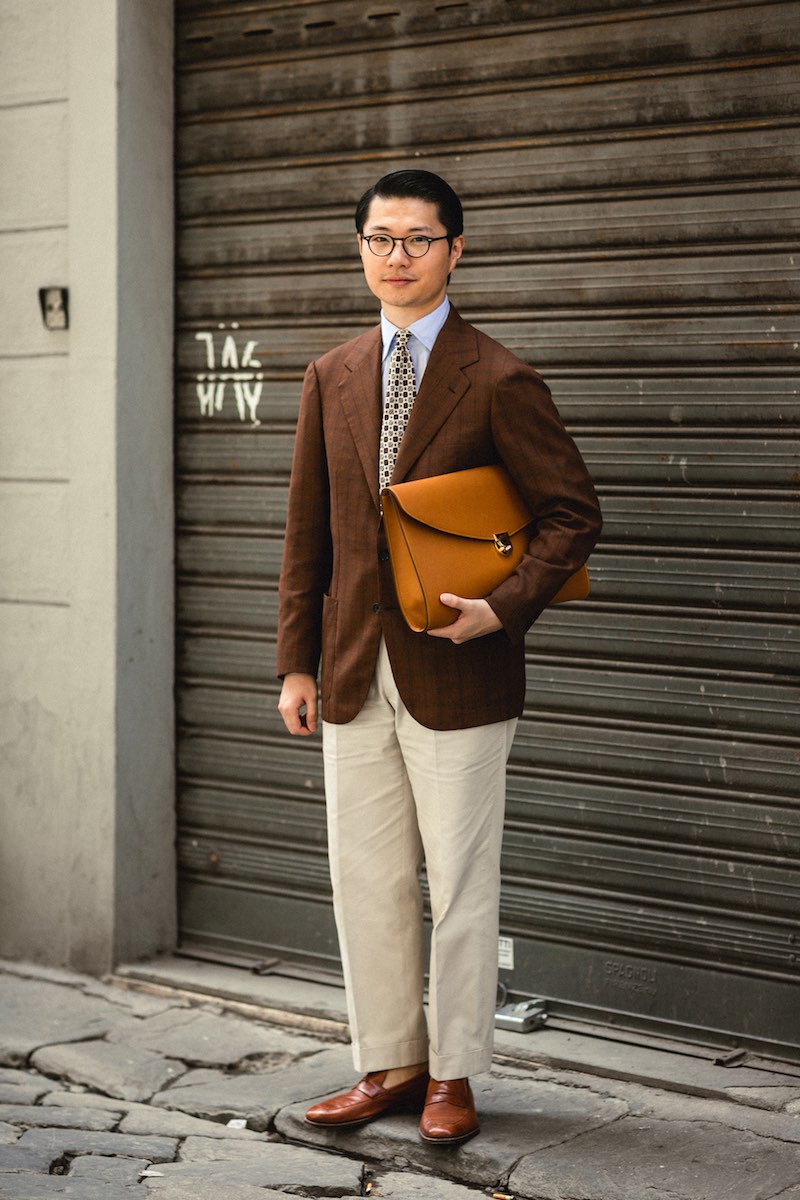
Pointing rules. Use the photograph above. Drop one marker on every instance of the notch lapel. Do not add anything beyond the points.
(443, 385)
(360, 392)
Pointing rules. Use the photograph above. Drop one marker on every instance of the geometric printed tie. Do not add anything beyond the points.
(401, 392)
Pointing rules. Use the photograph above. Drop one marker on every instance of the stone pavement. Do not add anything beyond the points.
(162, 1093)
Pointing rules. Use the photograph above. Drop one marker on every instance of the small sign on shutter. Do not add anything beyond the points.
(505, 953)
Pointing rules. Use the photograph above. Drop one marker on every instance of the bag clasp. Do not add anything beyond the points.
(502, 543)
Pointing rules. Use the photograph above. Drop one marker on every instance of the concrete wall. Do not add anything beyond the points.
(86, 531)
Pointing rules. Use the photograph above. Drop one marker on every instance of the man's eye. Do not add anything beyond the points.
(417, 240)
(378, 240)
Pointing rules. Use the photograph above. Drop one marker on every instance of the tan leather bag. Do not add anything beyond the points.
(463, 533)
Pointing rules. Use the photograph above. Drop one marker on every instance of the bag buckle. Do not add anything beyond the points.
(502, 543)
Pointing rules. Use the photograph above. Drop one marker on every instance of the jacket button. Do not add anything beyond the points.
(383, 556)
(376, 608)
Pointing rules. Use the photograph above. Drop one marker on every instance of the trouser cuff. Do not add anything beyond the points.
(390, 1054)
(458, 1066)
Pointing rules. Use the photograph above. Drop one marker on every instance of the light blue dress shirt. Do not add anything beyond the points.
(424, 333)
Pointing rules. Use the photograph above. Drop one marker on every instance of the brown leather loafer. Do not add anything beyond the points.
(449, 1115)
(368, 1100)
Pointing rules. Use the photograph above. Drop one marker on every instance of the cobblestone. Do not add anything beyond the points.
(677, 1159)
(72, 1142)
(207, 1040)
(130, 1072)
(38, 1014)
(32, 1115)
(111, 1096)
(20, 1093)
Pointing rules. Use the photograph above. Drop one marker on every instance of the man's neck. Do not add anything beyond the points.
(403, 317)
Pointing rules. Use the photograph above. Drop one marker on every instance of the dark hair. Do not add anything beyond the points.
(416, 185)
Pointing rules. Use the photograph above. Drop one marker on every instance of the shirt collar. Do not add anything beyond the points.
(426, 329)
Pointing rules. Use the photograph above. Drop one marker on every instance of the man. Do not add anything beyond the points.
(416, 727)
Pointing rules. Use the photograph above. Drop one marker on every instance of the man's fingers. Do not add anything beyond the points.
(294, 720)
(299, 724)
(475, 619)
(298, 704)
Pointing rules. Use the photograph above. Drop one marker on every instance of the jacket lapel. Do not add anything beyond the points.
(360, 391)
(443, 385)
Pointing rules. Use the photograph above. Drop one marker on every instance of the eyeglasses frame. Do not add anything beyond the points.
(394, 240)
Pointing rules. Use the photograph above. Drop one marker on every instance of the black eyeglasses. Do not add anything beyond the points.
(416, 245)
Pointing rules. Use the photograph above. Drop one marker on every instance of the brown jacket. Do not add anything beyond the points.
(477, 404)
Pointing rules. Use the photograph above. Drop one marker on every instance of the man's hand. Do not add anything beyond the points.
(298, 703)
(476, 618)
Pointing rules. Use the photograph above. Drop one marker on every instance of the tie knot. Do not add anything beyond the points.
(402, 337)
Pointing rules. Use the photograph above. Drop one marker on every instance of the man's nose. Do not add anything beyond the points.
(399, 253)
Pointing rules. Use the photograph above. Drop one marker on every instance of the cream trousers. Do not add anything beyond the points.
(397, 792)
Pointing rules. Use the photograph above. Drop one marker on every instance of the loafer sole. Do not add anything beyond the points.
(449, 1141)
(342, 1124)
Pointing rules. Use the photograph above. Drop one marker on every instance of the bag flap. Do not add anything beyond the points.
(476, 503)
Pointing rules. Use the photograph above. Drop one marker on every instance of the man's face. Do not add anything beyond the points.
(407, 287)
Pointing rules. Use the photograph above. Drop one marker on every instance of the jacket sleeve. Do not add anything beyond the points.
(307, 554)
(549, 472)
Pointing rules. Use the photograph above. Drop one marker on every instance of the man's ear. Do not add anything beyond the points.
(456, 249)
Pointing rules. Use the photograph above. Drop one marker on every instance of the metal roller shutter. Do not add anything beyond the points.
(630, 178)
